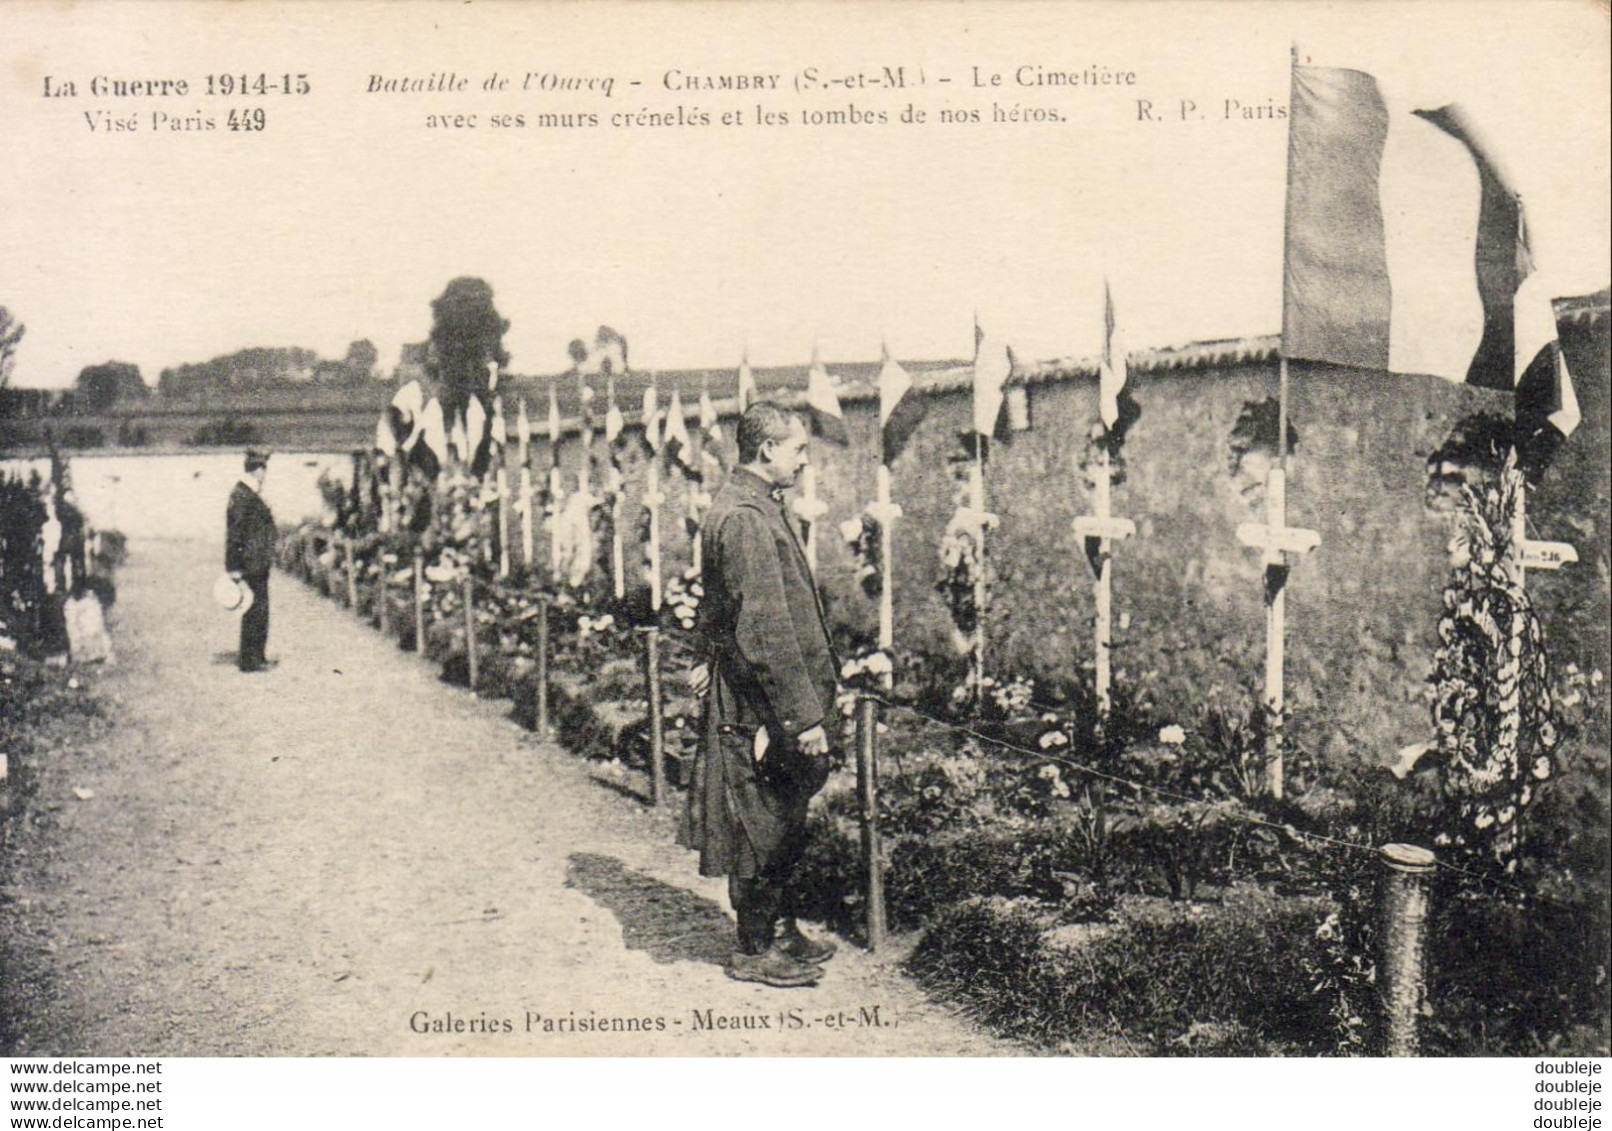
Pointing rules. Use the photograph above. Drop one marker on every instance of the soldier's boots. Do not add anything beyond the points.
(772, 967)
(802, 948)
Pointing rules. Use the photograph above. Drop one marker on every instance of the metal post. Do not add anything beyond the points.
(419, 605)
(470, 629)
(657, 720)
(543, 668)
(867, 789)
(1406, 868)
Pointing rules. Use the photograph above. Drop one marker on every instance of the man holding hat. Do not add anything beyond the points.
(249, 544)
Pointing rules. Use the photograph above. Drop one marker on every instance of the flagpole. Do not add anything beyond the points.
(1276, 565)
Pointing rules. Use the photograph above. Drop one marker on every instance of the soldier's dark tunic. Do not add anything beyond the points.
(772, 666)
(249, 542)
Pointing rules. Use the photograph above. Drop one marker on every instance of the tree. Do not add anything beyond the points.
(11, 332)
(466, 333)
(102, 386)
(361, 358)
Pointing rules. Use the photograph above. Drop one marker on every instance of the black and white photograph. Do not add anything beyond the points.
(946, 531)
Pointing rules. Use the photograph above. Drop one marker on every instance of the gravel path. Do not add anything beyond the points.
(322, 859)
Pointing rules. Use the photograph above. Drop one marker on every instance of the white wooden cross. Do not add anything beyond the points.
(1100, 531)
(1279, 543)
(809, 509)
(885, 513)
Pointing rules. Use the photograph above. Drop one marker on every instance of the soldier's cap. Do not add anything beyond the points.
(257, 457)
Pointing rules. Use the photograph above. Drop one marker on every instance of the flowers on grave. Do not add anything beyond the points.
(682, 598)
(961, 565)
(863, 535)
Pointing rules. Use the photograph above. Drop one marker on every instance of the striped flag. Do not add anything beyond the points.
(403, 414)
(1111, 373)
(710, 426)
(678, 445)
(500, 433)
(1519, 349)
(428, 449)
(823, 405)
(747, 384)
(461, 438)
(993, 365)
(385, 438)
(900, 409)
(651, 418)
(614, 422)
(1399, 258)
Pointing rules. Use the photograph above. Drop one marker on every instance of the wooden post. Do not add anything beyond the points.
(976, 491)
(471, 658)
(1406, 869)
(556, 486)
(352, 573)
(657, 720)
(618, 550)
(419, 604)
(653, 498)
(383, 595)
(867, 790)
(543, 668)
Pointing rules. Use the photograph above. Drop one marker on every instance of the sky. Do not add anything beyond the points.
(347, 214)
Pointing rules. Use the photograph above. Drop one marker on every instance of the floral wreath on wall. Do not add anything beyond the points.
(1496, 727)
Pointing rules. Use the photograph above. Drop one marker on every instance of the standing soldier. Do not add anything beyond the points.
(767, 675)
(249, 539)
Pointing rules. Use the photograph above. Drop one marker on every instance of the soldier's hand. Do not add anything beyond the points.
(699, 680)
(813, 742)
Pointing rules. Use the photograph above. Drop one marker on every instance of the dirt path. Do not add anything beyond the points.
(300, 862)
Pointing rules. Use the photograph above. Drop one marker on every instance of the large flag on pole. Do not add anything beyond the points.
(823, 404)
(1111, 373)
(1399, 258)
(900, 409)
(993, 365)
(1519, 349)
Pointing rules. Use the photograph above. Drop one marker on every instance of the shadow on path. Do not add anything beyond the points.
(668, 923)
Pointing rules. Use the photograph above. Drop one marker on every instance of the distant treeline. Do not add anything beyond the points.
(253, 370)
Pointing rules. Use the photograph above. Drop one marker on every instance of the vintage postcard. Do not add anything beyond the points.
(805, 530)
